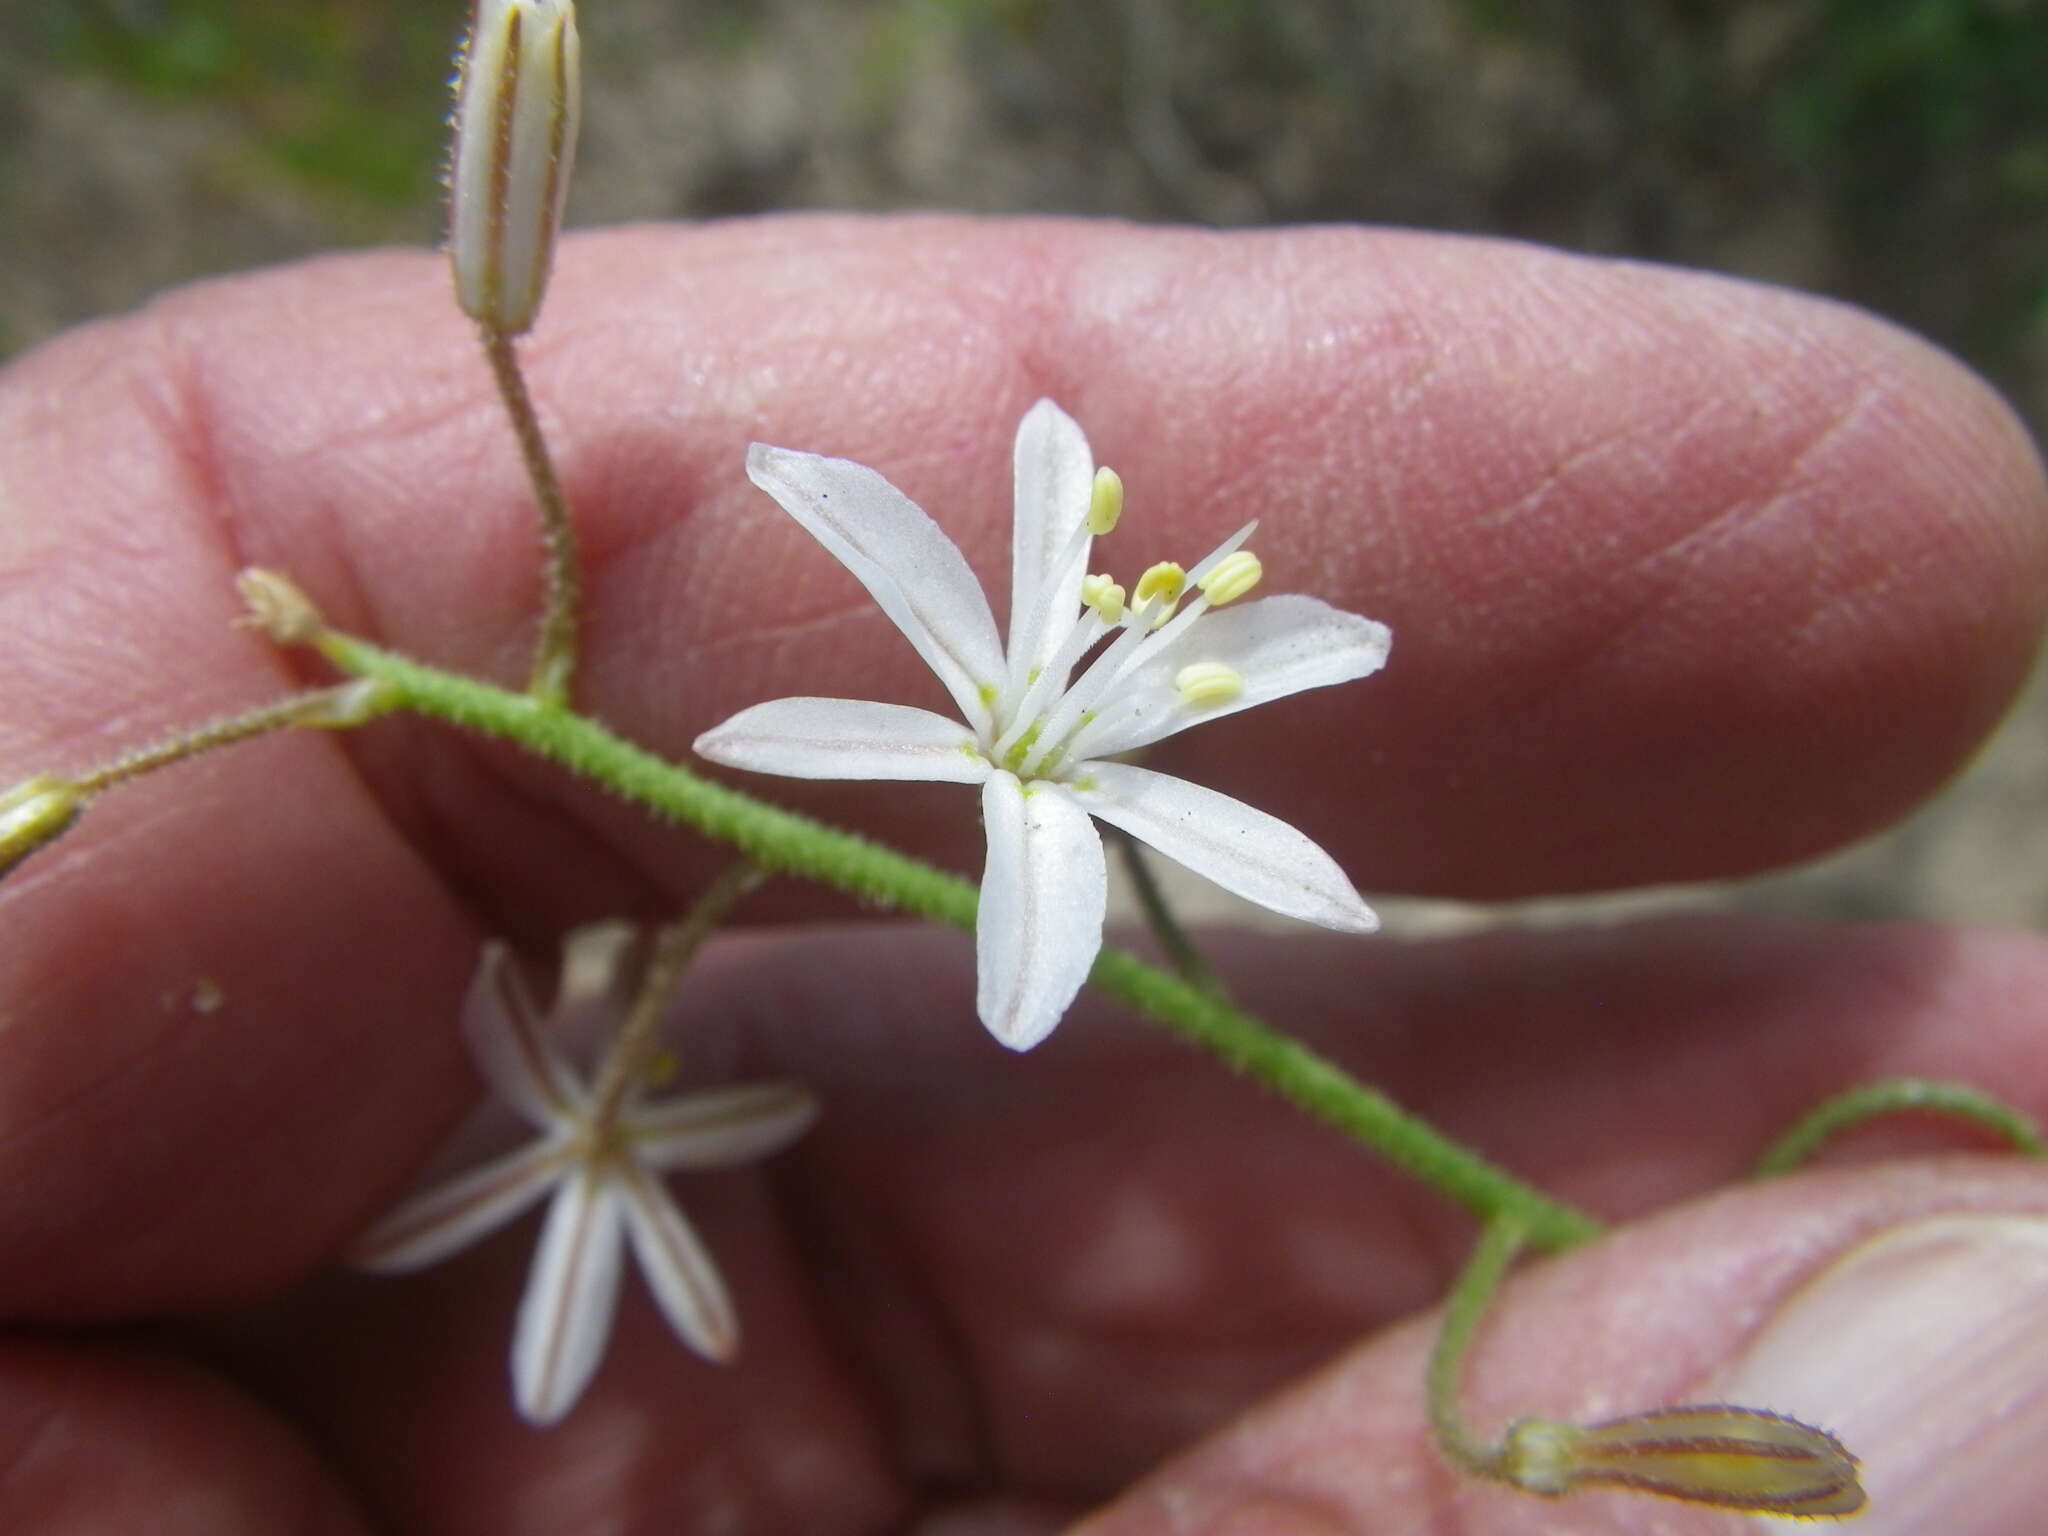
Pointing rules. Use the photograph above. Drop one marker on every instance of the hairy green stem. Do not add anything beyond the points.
(1180, 949)
(777, 840)
(675, 946)
(336, 708)
(554, 657)
(1463, 1310)
(1899, 1095)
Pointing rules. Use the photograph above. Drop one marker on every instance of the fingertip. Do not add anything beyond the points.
(1692, 576)
(1922, 1347)
(96, 1440)
(1663, 1314)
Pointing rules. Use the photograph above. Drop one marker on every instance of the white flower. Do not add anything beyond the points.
(603, 1162)
(1039, 737)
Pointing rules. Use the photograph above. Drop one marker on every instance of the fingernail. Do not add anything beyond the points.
(1925, 1350)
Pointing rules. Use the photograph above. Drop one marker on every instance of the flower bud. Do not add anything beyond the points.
(34, 813)
(518, 99)
(1719, 1454)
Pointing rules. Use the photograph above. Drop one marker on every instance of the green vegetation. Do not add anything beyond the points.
(1894, 152)
(346, 96)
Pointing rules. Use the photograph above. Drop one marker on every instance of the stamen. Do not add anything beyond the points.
(1043, 614)
(1234, 575)
(1222, 552)
(1204, 683)
(1013, 758)
(1105, 597)
(1165, 581)
(1151, 627)
(1105, 501)
(662, 1067)
(1090, 628)
(1091, 684)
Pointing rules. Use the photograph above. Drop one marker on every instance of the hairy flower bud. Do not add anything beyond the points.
(1720, 1454)
(34, 813)
(518, 98)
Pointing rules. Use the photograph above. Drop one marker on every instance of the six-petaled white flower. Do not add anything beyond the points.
(1040, 737)
(603, 1162)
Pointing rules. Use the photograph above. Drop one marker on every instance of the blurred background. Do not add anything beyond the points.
(1890, 152)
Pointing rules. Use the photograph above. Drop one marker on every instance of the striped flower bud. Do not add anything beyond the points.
(518, 98)
(35, 813)
(1719, 1454)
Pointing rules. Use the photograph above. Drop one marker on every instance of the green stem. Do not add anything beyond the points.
(675, 946)
(1321, 1088)
(338, 707)
(1899, 1095)
(1166, 928)
(554, 657)
(1463, 1311)
(777, 840)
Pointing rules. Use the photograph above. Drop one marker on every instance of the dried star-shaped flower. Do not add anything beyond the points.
(602, 1152)
(1039, 739)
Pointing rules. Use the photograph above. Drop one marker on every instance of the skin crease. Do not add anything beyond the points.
(1687, 577)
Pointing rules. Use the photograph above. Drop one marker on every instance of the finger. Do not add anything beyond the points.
(1041, 1277)
(1114, 1244)
(407, 1385)
(103, 1439)
(1900, 1307)
(290, 943)
(1686, 576)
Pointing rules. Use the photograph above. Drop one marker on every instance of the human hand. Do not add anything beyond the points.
(1687, 577)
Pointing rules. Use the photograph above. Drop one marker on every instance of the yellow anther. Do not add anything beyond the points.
(1105, 597)
(1231, 577)
(1105, 501)
(33, 813)
(1206, 683)
(662, 1067)
(1164, 582)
